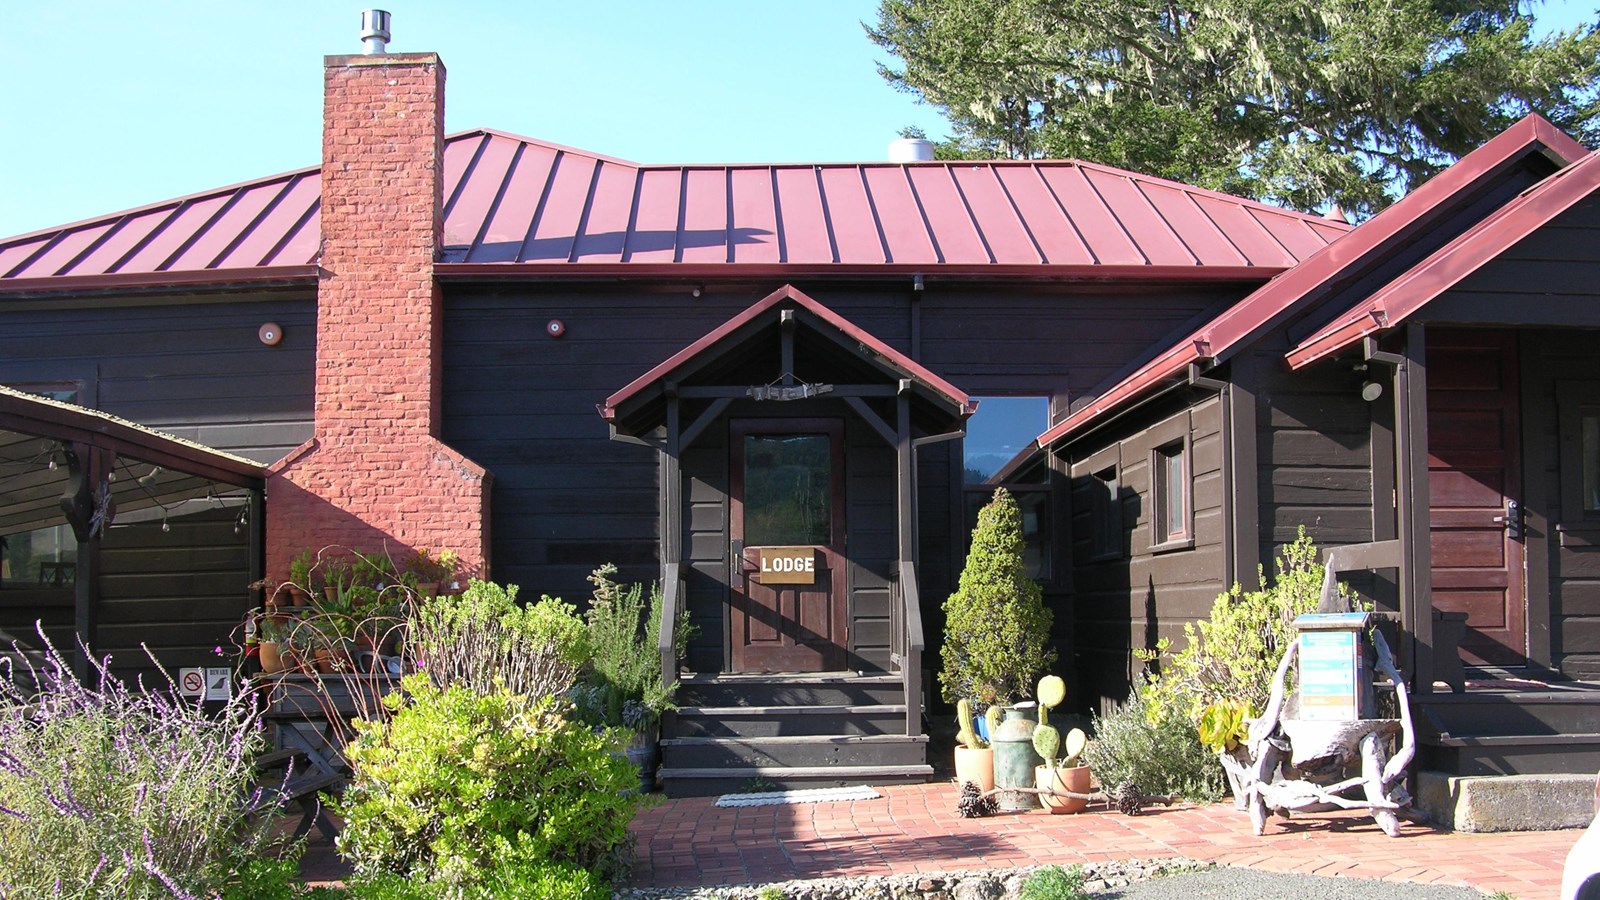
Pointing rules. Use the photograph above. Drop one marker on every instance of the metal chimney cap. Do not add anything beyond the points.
(908, 150)
(375, 30)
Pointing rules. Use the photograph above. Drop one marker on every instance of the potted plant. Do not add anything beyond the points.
(269, 642)
(1061, 771)
(997, 627)
(299, 585)
(621, 686)
(974, 756)
(427, 573)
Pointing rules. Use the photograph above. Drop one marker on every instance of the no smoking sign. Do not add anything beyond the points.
(213, 683)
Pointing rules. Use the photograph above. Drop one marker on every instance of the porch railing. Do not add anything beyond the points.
(672, 591)
(909, 644)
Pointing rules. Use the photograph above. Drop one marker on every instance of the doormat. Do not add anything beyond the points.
(817, 795)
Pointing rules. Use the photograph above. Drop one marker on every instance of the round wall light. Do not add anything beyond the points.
(1371, 390)
(270, 334)
(555, 328)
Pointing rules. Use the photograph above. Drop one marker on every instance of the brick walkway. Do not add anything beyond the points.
(915, 829)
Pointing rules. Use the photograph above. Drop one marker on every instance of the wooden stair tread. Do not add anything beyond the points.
(789, 678)
(735, 772)
(791, 710)
(1511, 740)
(798, 739)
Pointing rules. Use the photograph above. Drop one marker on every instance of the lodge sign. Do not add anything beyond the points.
(788, 565)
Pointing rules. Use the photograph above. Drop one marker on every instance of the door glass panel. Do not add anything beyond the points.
(787, 496)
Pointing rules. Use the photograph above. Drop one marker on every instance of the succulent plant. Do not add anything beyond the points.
(967, 736)
(992, 717)
(1046, 737)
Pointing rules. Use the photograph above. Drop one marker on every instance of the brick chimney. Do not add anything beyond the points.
(375, 475)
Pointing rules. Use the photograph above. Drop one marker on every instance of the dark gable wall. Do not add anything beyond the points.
(192, 366)
(1127, 600)
(567, 499)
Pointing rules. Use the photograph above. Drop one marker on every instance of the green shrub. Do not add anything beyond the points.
(1156, 747)
(622, 684)
(485, 640)
(524, 881)
(460, 788)
(1233, 655)
(997, 627)
(106, 791)
(1053, 883)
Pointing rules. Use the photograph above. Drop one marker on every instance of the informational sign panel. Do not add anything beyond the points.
(788, 565)
(219, 683)
(191, 682)
(1329, 662)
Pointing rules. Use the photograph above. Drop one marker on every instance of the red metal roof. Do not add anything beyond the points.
(1319, 275)
(887, 356)
(1445, 267)
(515, 205)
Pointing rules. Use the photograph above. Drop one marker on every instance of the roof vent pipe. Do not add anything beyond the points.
(908, 150)
(375, 30)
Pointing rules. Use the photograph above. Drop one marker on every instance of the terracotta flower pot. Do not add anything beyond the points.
(1075, 779)
(976, 766)
(271, 658)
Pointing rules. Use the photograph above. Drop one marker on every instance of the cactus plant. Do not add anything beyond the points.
(992, 717)
(1046, 737)
(967, 736)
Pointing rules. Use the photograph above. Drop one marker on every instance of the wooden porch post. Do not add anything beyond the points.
(1416, 553)
(95, 463)
(905, 474)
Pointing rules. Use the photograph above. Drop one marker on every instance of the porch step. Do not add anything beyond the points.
(815, 689)
(711, 782)
(1554, 730)
(772, 721)
(1512, 754)
(798, 752)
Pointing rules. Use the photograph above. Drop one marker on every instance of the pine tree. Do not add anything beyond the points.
(996, 625)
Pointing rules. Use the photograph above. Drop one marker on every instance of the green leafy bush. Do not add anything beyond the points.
(485, 640)
(997, 627)
(622, 683)
(106, 791)
(1233, 655)
(1053, 883)
(1156, 747)
(539, 880)
(464, 789)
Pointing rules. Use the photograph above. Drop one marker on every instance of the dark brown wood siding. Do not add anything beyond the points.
(1142, 589)
(566, 498)
(195, 369)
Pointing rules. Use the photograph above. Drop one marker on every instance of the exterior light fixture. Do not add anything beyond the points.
(270, 334)
(1371, 390)
(555, 328)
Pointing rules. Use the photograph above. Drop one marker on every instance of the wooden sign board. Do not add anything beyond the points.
(1330, 665)
(788, 565)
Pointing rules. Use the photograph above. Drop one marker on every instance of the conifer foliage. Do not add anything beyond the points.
(996, 625)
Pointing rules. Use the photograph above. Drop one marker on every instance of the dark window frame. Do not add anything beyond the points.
(1575, 401)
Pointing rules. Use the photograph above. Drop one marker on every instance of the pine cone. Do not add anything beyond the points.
(1129, 799)
(973, 804)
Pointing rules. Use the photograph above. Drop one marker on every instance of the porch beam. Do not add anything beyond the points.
(703, 421)
(873, 419)
(742, 392)
(786, 345)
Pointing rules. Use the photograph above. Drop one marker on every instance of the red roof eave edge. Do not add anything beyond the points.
(1240, 321)
(76, 284)
(459, 271)
(916, 371)
(1447, 266)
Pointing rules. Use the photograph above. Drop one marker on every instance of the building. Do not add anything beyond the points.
(549, 359)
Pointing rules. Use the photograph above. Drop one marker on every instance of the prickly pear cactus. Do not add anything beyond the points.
(1047, 742)
(1073, 747)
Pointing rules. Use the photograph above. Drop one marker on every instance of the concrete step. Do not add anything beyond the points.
(711, 782)
(816, 689)
(1506, 802)
(795, 751)
(772, 721)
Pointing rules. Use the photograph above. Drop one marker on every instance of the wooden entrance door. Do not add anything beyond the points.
(787, 491)
(1474, 480)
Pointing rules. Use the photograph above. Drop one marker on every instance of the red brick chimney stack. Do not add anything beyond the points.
(375, 474)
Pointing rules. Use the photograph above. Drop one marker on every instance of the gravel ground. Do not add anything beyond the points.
(1154, 879)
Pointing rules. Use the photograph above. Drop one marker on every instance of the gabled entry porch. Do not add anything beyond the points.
(786, 443)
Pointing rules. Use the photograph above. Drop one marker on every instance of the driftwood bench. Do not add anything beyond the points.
(286, 778)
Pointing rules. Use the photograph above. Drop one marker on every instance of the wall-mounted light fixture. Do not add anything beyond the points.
(270, 334)
(555, 328)
(1371, 390)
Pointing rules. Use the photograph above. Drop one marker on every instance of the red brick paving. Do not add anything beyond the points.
(914, 828)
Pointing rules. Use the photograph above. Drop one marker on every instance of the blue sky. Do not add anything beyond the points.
(117, 104)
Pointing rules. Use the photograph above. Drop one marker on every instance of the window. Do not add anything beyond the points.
(1106, 509)
(1002, 429)
(45, 558)
(1170, 495)
(1000, 434)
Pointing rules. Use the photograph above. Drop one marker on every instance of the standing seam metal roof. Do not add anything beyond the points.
(519, 202)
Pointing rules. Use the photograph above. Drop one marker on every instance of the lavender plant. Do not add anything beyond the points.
(108, 790)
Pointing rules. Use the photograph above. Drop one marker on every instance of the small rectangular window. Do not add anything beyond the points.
(1107, 534)
(1171, 497)
(1591, 461)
